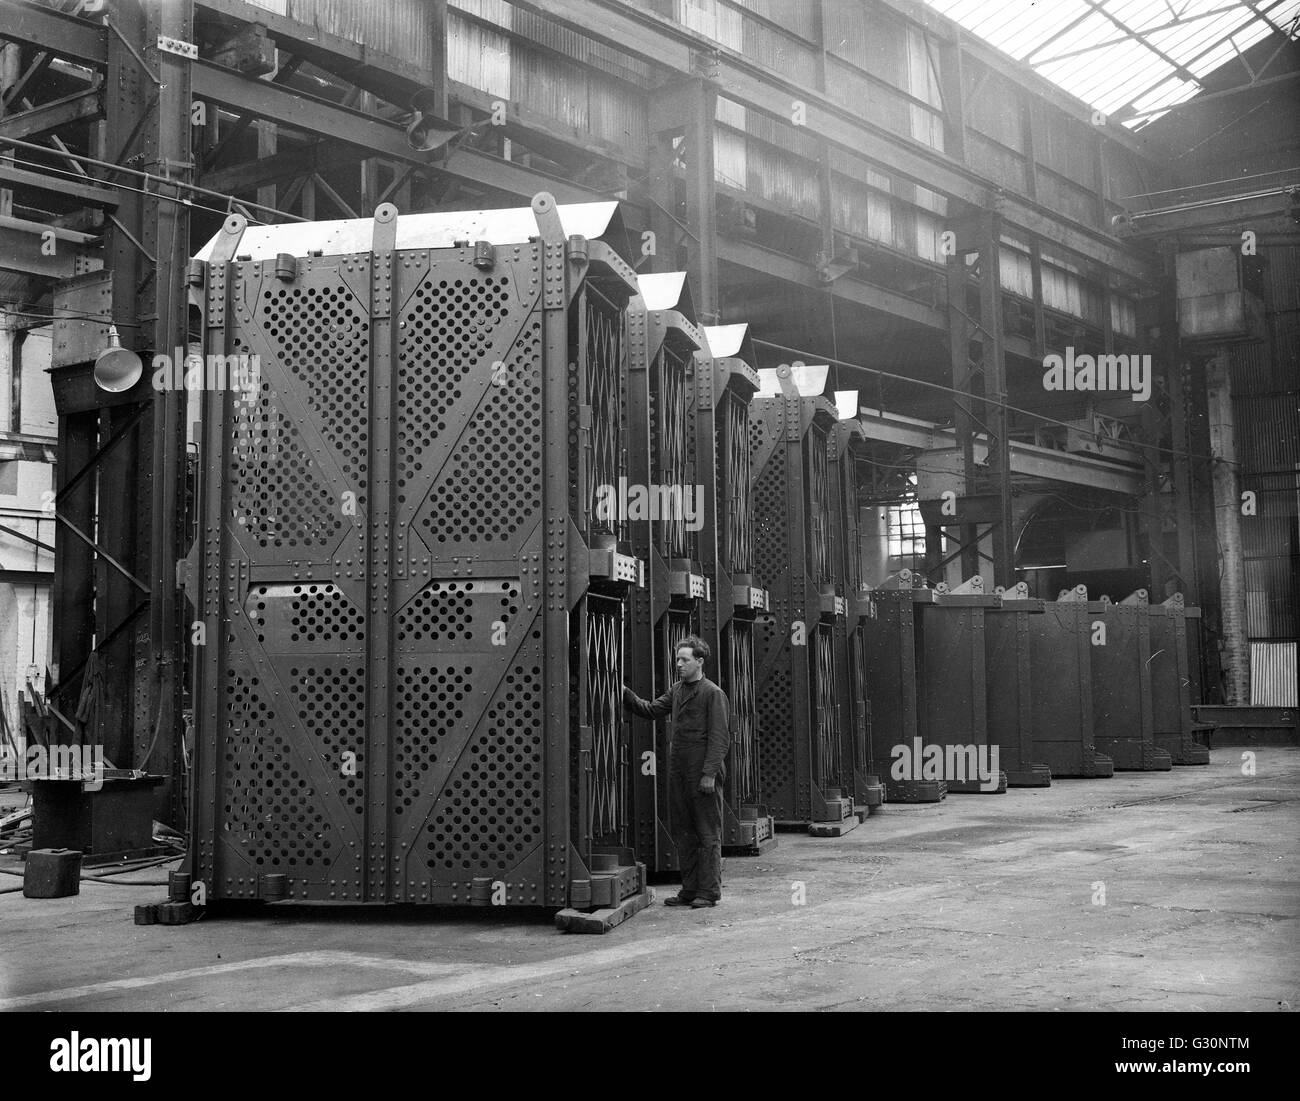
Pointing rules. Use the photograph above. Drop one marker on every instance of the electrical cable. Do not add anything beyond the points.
(814, 357)
(149, 176)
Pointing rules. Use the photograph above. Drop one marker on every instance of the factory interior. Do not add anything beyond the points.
(391, 391)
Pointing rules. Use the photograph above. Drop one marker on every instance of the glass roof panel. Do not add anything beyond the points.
(1129, 58)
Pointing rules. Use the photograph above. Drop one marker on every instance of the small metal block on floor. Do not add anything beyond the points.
(834, 829)
(602, 921)
(52, 873)
(1035, 776)
(175, 913)
(147, 915)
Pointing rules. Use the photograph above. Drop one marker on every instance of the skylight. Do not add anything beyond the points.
(1130, 59)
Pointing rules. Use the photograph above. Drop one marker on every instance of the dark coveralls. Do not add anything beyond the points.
(700, 737)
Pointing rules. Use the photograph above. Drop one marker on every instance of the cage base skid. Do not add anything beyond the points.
(915, 791)
(869, 798)
(1035, 776)
(1076, 766)
(977, 787)
(1182, 750)
(603, 920)
(1134, 756)
(834, 829)
(752, 834)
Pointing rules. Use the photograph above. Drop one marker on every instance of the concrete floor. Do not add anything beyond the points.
(982, 902)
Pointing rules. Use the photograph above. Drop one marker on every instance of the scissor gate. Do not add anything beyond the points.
(725, 384)
(666, 529)
(410, 689)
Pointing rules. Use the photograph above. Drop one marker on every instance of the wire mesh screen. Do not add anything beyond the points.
(819, 505)
(604, 657)
(601, 351)
(735, 462)
(828, 727)
(741, 683)
(676, 626)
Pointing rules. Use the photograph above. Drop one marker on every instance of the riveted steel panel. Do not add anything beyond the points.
(415, 691)
(798, 719)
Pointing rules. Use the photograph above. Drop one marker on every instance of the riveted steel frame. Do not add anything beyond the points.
(1009, 687)
(417, 635)
(953, 711)
(725, 386)
(860, 775)
(1171, 711)
(798, 720)
(893, 641)
(1060, 688)
(662, 440)
(1123, 723)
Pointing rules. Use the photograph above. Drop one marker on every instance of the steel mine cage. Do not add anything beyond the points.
(794, 655)
(1009, 685)
(860, 774)
(663, 342)
(725, 385)
(952, 685)
(1122, 717)
(1171, 710)
(410, 688)
(893, 644)
(1060, 688)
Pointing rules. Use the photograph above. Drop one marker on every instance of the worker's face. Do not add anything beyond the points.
(689, 667)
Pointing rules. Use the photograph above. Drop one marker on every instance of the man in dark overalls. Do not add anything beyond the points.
(697, 767)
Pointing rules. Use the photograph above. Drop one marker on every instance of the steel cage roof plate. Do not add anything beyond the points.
(666, 291)
(514, 225)
(729, 341)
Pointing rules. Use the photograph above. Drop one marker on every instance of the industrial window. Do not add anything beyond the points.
(906, 531)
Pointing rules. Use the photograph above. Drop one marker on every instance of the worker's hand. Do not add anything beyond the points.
(707, 784)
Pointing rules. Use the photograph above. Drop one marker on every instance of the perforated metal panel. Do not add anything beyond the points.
(380, 723)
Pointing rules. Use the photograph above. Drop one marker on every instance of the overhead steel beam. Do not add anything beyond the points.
(790, 270)
(1027, 460)
(660, 41)
(63, 35)
(377, 136)
(21, 251)
(50, 116)
(1248, 211)
(88, 194)
(389, 77)
(26, 577)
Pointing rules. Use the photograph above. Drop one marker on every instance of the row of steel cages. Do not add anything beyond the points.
(973, 692)
(813, 708)
(467, 476)
(690, 389)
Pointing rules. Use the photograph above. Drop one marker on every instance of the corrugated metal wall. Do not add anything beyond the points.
(403, 28)
(548, 70)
